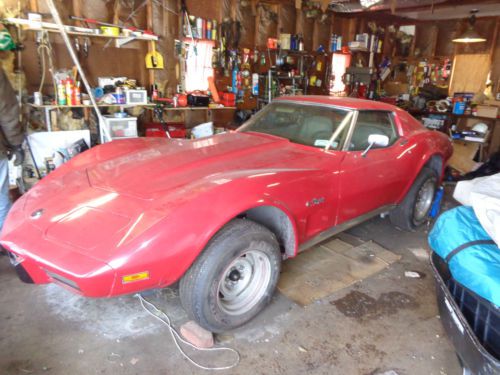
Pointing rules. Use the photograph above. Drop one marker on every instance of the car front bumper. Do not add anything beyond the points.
(67, 267)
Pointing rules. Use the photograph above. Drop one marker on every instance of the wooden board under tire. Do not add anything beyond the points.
(329, 267)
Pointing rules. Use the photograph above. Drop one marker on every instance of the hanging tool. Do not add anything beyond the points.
(154, 60)
(95, 22)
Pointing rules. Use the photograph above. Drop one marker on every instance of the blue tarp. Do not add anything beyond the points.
(476, 267)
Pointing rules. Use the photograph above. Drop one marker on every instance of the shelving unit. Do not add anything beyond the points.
(78, 31)
(47, 108)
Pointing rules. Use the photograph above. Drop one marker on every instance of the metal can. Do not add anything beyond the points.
(61, 93)
(37, 98)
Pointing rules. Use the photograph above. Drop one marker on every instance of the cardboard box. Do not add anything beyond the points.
(487, 111)
(396, 88)
(463, 156)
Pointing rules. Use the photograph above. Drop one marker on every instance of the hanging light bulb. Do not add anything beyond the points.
(470, 35)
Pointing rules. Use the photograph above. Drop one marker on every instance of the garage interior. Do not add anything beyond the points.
(366, 301)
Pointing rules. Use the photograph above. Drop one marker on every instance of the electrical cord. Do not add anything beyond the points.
(45, 49)
(176, 337)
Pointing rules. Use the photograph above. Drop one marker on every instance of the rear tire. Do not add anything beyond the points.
(234, 277)
(414, 209)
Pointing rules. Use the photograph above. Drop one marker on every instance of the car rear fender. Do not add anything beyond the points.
(432, 161)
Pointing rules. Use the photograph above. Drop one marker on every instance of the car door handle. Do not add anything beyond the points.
(403, 142)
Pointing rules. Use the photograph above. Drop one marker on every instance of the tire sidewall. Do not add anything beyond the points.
(217, 318)
(428, 175)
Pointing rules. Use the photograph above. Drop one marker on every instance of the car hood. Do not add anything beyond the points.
(146, 168)
(105, 197)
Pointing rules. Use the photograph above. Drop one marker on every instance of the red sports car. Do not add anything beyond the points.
(221, 213)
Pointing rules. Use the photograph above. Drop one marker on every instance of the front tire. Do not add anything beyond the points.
(414, 209)
(234, 277)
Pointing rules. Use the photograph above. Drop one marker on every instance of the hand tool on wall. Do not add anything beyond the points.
(154, 60)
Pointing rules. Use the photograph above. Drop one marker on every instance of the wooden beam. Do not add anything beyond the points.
(494, 40)
(149, 26)
(34, 6)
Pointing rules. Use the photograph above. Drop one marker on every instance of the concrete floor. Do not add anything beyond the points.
(385, 323)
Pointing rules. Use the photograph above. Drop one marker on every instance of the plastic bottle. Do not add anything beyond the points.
(301, 43)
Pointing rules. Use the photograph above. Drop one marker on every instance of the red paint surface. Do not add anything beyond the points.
(152, 204)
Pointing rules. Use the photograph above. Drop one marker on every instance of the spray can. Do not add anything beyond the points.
(77, 96)
(69, 91)
(199, 27)
(209, 30)
(255, 84)
(61, 93)
(214, 30)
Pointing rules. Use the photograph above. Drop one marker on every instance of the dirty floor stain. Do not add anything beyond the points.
(359, 305)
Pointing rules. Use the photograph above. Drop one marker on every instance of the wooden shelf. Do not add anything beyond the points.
(55, 106)
(75, 30)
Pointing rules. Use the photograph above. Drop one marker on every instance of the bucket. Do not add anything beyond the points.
(203, 130)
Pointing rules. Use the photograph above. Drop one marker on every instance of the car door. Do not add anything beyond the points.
(377, 178)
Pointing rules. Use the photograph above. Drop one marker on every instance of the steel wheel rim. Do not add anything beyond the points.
(424, 200)
(244, 282)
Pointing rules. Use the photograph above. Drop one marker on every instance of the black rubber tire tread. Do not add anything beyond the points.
(198, 286)
(402, 215)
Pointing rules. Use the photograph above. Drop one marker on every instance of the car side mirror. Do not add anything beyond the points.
(378, 140)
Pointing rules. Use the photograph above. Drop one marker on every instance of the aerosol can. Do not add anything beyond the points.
(255, 84)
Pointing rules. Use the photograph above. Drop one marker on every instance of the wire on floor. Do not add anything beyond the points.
(155, 312)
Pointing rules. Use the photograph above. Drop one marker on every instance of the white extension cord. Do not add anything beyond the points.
(164, 318)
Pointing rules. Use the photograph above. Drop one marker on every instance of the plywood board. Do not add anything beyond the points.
(331, 266)
(469, 73)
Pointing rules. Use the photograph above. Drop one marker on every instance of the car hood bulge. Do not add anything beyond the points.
(147, 172)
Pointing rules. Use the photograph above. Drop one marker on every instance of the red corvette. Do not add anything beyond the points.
(221, 213)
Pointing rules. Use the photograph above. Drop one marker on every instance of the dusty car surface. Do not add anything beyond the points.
(221, 213)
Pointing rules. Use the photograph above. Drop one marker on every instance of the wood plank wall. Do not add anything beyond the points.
(433, 38)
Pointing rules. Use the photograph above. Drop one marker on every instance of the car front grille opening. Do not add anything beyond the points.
(62, 280)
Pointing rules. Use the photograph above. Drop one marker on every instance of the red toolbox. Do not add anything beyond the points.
(156, 129)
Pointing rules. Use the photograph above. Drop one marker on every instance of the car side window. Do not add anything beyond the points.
(372, 122)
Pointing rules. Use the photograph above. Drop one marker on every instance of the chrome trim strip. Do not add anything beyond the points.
(344, 226)
(347, 141)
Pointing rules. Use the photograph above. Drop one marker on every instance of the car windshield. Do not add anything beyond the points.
(311, 125)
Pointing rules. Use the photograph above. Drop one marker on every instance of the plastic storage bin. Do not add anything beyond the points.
(471, 322)
(121, 127)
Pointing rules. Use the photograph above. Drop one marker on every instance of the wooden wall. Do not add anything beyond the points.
(259, 20)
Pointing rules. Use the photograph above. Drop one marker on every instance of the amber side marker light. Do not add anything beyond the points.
(135, 277)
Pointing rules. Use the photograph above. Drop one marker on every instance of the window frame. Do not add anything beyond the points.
(390, 115)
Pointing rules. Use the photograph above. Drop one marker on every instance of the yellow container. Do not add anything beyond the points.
(110, 30)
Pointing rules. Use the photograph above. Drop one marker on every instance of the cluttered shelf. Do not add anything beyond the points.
(418, 113)
(37, 25)
(55, 106)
